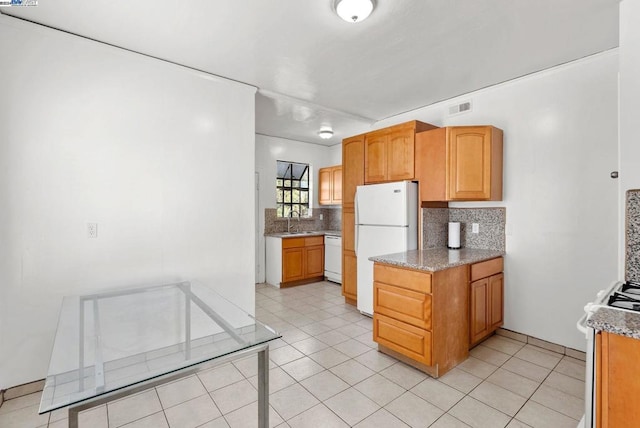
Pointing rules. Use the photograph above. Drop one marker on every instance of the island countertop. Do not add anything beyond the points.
(436, 259)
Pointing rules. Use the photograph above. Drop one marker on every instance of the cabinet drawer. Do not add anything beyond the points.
(313, 240)
(409, 279)
(292, 242)
(401, 337)
(487, 268)
(404, 305)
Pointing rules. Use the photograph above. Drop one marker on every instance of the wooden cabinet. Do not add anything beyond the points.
(389, 153)
(460, 163)
(617, 384)
(486, 302)
(302, 260)
(350, 277)
(352, 177)
(422, 317)
(352, 168)
(314, 261)
(330, 185)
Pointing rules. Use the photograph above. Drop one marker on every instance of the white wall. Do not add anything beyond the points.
(629, 106)
(560, 145)
(268, 151)
(156, 154)
(335, 154)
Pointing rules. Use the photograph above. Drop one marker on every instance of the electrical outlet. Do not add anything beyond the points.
(475, 228)
(321, 216)
(92, 230)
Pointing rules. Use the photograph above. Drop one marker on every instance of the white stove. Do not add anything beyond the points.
(620, 296)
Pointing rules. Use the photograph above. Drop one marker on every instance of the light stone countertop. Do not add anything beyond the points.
(616, 322)
(306, 233)
(436, 259)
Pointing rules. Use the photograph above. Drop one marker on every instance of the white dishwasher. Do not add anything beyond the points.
(333, 258)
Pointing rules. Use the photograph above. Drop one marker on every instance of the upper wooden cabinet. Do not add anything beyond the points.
(352, 168)
(389, 153)
(330, 185)
(460, 163)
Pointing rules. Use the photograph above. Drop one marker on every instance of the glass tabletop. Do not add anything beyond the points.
(112, 340)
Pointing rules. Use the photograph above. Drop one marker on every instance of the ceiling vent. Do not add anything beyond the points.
(464, 107)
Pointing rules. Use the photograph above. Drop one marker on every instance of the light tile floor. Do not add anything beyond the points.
(326, 372)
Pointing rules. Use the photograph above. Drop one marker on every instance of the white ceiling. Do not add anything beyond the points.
(313, 69)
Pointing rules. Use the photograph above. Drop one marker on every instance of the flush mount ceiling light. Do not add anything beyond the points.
(325, 134)
(354, 10)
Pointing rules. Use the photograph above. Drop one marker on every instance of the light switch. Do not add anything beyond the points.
(475, 228)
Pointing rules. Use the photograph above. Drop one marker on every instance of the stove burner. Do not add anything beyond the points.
(627, 298)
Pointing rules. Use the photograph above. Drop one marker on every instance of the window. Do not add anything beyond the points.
(292, 189)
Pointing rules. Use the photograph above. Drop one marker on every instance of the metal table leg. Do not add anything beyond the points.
(263, 388)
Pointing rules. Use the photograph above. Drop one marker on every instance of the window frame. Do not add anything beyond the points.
(287, 186)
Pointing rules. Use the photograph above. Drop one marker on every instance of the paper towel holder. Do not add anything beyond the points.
(453, 241)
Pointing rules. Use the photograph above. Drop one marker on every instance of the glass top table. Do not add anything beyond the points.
(112, 344)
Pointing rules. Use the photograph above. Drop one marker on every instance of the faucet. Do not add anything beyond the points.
(289, 221)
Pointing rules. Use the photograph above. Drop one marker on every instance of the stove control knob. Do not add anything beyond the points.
(588, 308)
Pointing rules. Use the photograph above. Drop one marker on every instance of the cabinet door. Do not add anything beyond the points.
(375, 157)
(401, 155)
(292, 264)
(479, 327)
(431, 164)
(496, 301)
(352, 168)
(348, 230)
(314, 261)
(469, 162)
(349, 275)
(324, 186)
(336, 185)
(617, 380)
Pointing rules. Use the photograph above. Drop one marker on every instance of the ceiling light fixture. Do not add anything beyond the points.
(354, 10)
(325, 134)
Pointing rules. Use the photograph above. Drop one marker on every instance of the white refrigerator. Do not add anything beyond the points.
(386, 222)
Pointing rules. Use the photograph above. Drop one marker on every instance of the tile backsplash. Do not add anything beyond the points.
(632, 246)
(332, 220)
(491, 223)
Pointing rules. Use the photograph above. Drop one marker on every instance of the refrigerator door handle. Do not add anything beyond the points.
(357, 221)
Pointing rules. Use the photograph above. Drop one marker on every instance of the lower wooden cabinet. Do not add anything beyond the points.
(617, 374)
(295, 260)
(486, 299)
(350, 277)
(430, 319)
(421, 317)
(292, 264)
(314, 261)
(404, 305)
(349, 259)
(401, 337)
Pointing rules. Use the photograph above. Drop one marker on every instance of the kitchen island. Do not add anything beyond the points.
(431, 306)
